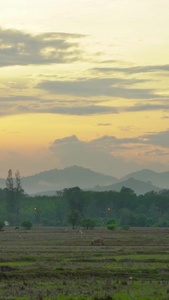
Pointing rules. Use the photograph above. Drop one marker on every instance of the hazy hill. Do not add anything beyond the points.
(139, 187)
(157, 179)
(59, 179)
(49, 181)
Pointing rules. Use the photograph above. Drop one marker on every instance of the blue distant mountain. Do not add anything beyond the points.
(53, 180)
(158, 179)
(138, 186)
(69, 177)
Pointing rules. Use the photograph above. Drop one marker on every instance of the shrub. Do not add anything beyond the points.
(27, 224)
(111, 221)
(111, 226)
(162, 223)
(53, 223)
(125, 227)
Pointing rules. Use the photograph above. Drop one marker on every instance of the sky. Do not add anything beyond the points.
(84, 82)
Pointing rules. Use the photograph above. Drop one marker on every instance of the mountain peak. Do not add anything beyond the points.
(71, 176)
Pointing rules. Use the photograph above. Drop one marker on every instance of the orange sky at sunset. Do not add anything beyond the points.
(84, 79)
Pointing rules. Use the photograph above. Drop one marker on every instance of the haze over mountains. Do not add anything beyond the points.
(140, 187)
(49, 182)
(159, 179)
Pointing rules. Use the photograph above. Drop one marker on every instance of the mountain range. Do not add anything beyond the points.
(48, 182)
(138, 186)
(59, 179)
(159, 179)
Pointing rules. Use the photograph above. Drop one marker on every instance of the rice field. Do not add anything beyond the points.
(58, 263)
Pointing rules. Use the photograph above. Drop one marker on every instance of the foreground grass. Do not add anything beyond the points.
(48, 263)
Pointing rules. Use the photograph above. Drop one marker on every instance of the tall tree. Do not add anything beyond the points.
(75, 199)
(18, 192)
(9, 181)
(74, 218)
(18, 181)
(13, 196)
(10, 197)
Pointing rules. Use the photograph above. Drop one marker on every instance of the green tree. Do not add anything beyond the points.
(18, 194)
(150, 222)
(9, 181)
(162, 223)
(88, 223)
(141, 220)
(75, 199)
(13, 196)
(125, 216)
(10, 198)
(18, 181)
(73, 218)
(2, 224)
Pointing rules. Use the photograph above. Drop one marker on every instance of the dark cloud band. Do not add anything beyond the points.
(113, 87)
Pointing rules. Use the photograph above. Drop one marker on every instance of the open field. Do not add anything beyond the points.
(51, 263)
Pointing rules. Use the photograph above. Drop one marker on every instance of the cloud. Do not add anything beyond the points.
(83, 110)
(111, 144)
(80, 107)
(71, 151)
(113, 87)
(104, 124)
(134, 70)
(157, 152)
(20, 48)
(18, 98)
(65, 141)
(52, 108)
(147, 107)
(107, 154)
(158, 139)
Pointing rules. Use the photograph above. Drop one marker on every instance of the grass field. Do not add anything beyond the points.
(51, 263)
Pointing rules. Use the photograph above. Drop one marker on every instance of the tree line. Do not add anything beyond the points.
(76, 207)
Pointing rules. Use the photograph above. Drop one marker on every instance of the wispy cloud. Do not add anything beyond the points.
(25, 104)
(114, 87)
(157, 138)
(18, 98)
(83, 110)
(157, 152)
(104, 124)
(134, 70)
(20, 48)
(147, 107)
